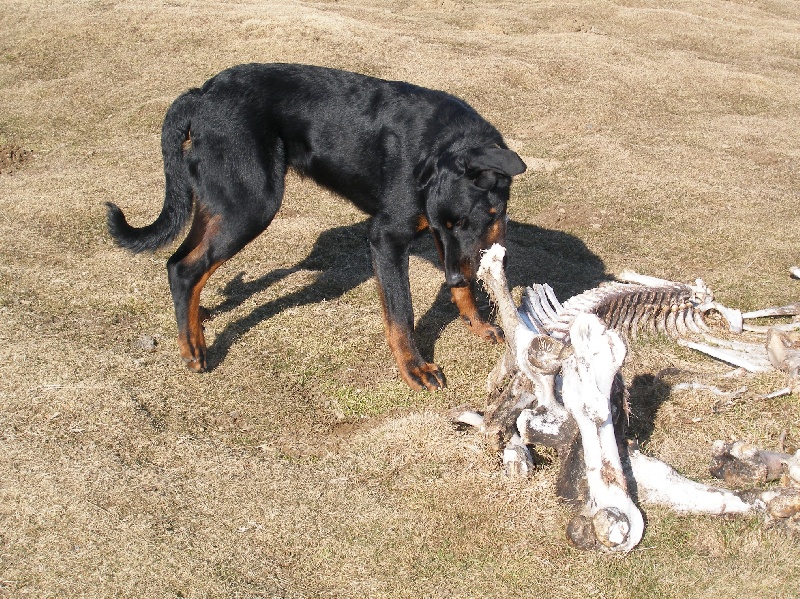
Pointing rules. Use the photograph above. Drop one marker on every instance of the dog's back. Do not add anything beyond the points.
(333, 125)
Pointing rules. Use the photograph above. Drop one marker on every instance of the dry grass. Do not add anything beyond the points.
(663, 137)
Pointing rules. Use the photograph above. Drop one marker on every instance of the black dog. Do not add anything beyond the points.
(410, 157)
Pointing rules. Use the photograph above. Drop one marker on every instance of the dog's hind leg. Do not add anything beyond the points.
(222, 226)
(212, 240)
(189, 268)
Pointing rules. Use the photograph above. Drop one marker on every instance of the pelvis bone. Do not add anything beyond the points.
(558, 385)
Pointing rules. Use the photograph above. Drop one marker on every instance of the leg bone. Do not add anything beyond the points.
(659, 484)
(609, 520)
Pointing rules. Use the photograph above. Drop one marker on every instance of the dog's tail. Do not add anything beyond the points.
(178, 198)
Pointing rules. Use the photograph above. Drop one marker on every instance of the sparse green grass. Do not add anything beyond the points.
(665, 141)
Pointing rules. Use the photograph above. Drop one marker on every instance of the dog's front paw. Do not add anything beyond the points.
(424, 376)
(196, 364)
(193, 356)
(486, 331)
(493, 334)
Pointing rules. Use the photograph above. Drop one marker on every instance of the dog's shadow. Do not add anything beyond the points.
(342, 256)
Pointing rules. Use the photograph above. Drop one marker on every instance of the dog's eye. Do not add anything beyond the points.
(497, 215)
(459, 224)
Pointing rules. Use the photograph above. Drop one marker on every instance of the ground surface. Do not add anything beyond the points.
(661, 137)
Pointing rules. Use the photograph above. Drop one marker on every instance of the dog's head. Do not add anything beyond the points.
(466, 194)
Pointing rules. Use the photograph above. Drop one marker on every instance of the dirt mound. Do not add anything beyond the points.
(11, 157)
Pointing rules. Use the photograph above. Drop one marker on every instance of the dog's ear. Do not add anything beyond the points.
(493, 159)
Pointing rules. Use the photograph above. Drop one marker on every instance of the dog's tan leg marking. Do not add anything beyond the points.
(464, 299)
(414, 370)
(191, 339)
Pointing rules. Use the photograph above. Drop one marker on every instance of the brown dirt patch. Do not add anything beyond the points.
(12, 157)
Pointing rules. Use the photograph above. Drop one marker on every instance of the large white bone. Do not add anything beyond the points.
(659, 484)
(536, 355)
(588, 377)
(493, 275)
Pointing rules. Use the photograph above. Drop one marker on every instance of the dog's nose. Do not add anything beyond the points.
(455, 279)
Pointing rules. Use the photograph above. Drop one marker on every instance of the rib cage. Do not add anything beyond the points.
(657, 306)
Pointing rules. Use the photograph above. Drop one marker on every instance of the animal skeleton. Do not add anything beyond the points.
(558, 385)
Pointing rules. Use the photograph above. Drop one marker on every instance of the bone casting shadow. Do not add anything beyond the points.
(647, 393)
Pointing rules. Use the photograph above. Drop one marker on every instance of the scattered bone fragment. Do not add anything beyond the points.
(784, 505)
(679, 380)
(758, 328)
(464, 415)
(788, 310)
(774, 394)
(517, 458)
(742, 464)
(795, 271)
(750, 356)
(146, 343)
(695, 386)
(783, 352)
(792, 476)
